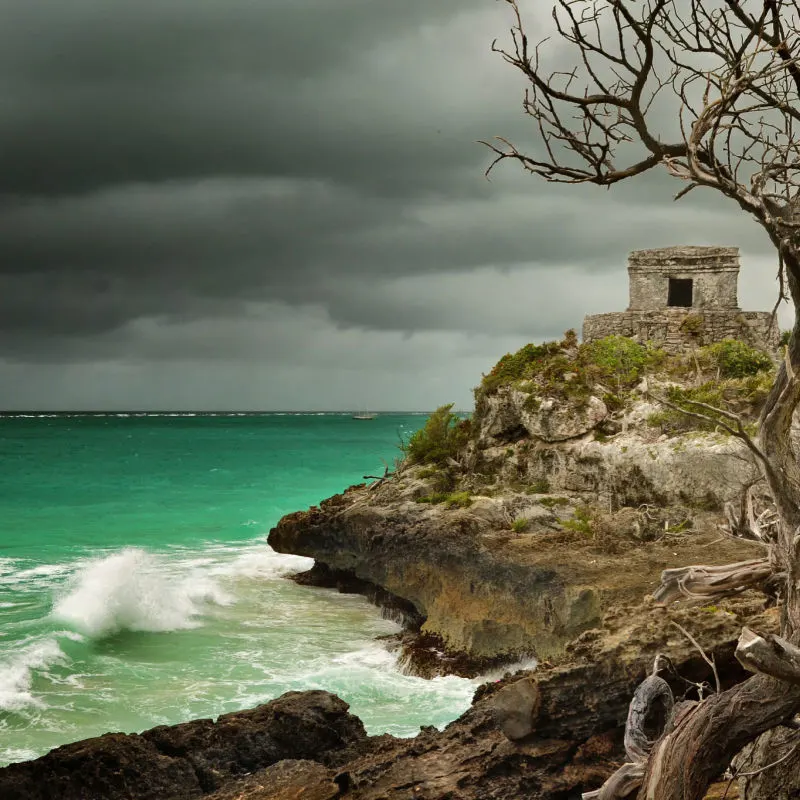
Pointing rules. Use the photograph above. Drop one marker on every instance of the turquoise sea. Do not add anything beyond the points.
(137, 588)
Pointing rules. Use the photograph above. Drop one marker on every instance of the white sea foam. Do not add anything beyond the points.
(16, 673)
(261, 561)
(134, 590)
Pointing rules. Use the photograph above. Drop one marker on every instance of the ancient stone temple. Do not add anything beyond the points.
(684, 297)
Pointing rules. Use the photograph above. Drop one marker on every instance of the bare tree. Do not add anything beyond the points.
(708, 90)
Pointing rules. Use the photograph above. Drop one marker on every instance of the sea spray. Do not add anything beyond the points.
(17, 673)
(133, 590)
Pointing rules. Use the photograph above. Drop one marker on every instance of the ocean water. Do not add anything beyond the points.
(137, 588)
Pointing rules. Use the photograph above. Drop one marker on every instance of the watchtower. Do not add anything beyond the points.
(683, 297)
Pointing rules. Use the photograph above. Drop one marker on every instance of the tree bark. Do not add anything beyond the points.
(778, 782)
(704, 742)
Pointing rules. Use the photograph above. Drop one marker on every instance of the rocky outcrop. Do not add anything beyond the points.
(481, 588)
(514, 547)
(188, 760)
(618, 458)
(509, 415)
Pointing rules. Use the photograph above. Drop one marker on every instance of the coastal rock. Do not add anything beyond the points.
(621, 461)
(481, 589)
(509, 414)
(287, 780)
(187, 760)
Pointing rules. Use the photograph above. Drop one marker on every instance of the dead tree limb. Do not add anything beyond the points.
(703, 743)
(649, 715)
(708, 584)
(770, 655)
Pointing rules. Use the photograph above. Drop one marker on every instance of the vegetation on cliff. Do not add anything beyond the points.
(570, 370)
(730, 375)
(439, 440)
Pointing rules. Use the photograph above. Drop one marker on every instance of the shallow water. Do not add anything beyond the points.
(137, 588)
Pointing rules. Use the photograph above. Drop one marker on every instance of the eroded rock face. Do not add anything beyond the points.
(511, 414)
(563, 444)
(485, 590)
(188, 760)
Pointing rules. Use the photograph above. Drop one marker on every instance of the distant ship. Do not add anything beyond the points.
(364, 415)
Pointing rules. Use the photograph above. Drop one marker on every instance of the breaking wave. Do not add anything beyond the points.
(134, 590)
(17, 673)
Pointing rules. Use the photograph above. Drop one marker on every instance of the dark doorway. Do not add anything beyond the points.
(680, 292)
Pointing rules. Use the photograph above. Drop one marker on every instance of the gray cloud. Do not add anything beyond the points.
(222, 185)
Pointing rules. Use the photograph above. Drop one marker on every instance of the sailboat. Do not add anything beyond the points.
(364, 415)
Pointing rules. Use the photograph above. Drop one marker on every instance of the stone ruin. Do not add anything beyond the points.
(684, 297)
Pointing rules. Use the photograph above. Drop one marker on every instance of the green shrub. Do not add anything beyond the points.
(693, 324)
(743, 396)
(442, 437)
(581, 521)
(458, 500)
(552, 502)
(569, 371)
(542, 486)
(524, 364)
(615, 358)
(520, 525)
(736, 359)
(451, 500)
(785, 336)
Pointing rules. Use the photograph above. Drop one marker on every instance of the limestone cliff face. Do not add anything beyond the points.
(557, 508)
(571, 451)
(482, 590)
(491, 591)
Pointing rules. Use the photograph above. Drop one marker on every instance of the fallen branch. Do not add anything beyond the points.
(622, 784)
(705, 583)
(649, 714)
(770, 655)
(379, 479)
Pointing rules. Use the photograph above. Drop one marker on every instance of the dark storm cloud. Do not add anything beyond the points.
(99, 93)
(209, 179)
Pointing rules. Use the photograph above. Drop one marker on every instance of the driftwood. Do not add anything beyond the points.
(770, 655)
(704, 742)
(622, 784)
(649, 715)
(704, 583)
(379, 479)
(758, 527)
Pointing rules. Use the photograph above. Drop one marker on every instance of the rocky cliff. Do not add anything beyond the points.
(577, 482)
(534, 529)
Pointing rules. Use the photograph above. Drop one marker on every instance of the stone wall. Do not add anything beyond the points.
(713, 270)
(675, 330)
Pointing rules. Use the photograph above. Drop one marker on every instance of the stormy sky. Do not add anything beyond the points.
(280, 204)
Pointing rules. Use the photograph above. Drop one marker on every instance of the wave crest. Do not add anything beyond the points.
(133, 590)
(16, 675)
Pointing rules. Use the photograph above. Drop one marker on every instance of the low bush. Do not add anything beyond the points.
(542, 486)
(735, 359)
(441, 438)
(520, 525)
(742, 396)
(451, 500)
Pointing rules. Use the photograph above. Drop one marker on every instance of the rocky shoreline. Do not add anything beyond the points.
(551, 733)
